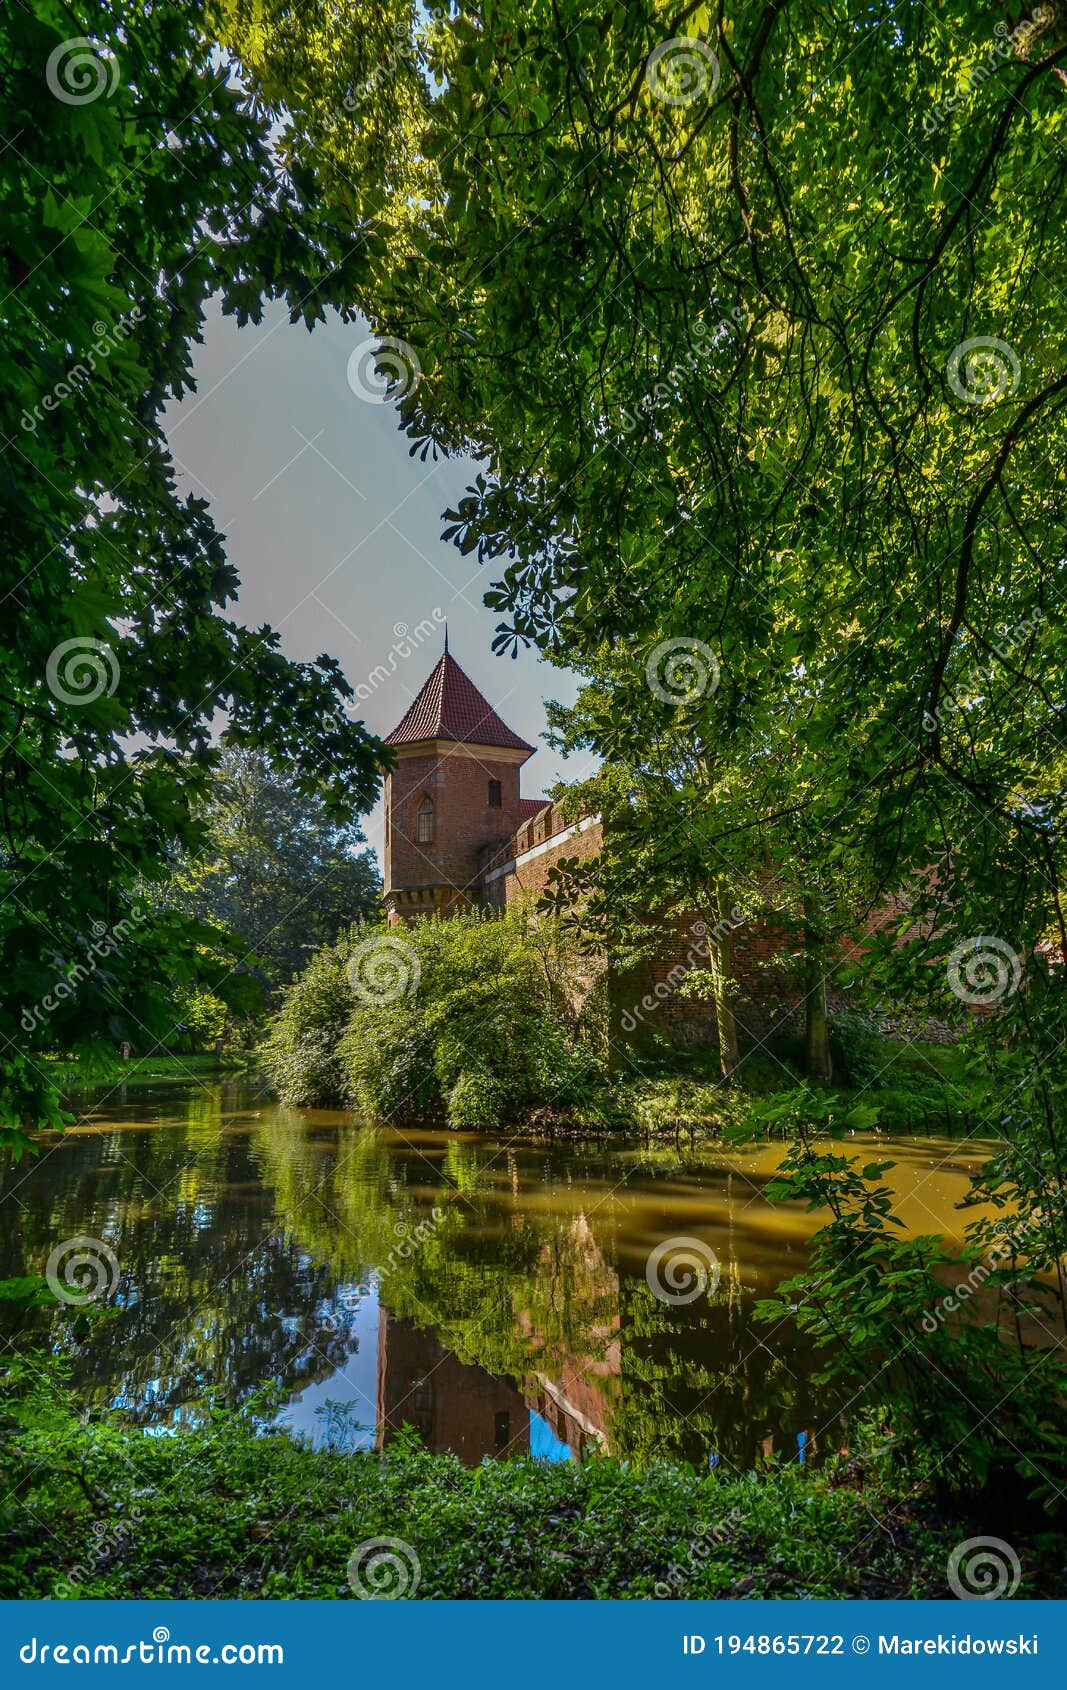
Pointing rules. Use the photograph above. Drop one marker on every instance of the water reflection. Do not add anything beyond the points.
(493, 1296)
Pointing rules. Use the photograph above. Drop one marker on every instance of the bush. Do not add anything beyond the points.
(858, 1048)
(476, 1019)
(300, 1053)
(235, 1510)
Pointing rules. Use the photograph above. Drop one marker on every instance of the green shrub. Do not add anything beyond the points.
(300, 1053)
(476, 1019)
(858, 1049)
(235, 1510)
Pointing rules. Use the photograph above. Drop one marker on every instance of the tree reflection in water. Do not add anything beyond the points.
(502, 1288)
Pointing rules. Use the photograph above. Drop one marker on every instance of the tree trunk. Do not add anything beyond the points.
(817, 1061)
(720, 955)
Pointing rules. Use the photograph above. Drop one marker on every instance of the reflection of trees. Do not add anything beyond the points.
(706, 1378)
(240, 1242)
(519, 1289)
(210, 1299)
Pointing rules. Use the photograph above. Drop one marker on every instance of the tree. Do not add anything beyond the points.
(745, 315)
(703, 816)
(475, 1020)
(751, 347)
(136, 183)
(275, 870)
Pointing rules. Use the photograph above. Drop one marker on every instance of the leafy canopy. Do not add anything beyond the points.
(135, 183)
(275, 869)
(750, 319)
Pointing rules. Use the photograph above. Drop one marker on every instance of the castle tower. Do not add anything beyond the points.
(453, 793)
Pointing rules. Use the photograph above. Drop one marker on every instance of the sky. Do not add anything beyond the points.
(335, 530)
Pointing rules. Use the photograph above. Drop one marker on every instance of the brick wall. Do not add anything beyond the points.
(453, 1406)
(533, 851)
(645, 999)
(485, 856)
(768, 989)
(465, 823)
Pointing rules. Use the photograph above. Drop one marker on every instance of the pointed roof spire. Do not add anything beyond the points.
(451, 707)
(446, 638)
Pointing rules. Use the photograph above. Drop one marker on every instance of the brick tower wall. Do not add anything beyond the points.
(522, 868)
(465, 823)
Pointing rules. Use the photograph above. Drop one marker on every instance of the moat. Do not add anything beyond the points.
(490, 1292)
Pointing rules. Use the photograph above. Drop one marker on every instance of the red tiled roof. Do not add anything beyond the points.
(451, 707)
(529, 807)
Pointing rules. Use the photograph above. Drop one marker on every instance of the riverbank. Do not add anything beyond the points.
(103, 1512)
(71, 1072)
(481, 1025)
(900, 1088)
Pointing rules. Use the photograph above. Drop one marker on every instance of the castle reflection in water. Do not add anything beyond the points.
(492, 1296)
(566, 1406)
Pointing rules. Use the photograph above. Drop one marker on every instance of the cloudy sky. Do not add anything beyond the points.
(335, 530)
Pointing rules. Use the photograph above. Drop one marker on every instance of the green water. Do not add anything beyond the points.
(493, 1292)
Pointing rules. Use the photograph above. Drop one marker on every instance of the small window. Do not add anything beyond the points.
(494, 794)
(424, 822)
(502, 1429)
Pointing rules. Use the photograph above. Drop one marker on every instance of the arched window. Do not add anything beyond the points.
(424, 822)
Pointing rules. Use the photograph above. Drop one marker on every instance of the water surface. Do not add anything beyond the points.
(491, 1292)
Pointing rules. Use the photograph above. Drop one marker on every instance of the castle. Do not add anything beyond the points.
(458, 832)
(460, 835)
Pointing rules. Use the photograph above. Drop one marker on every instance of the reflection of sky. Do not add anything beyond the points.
(544, 1444)
(354, 1387)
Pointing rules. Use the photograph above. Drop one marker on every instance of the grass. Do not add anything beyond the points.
(72, 1071)
(101, 1511)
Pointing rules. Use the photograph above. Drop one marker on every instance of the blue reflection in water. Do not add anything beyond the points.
(544, 1444)
(339, 1412)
